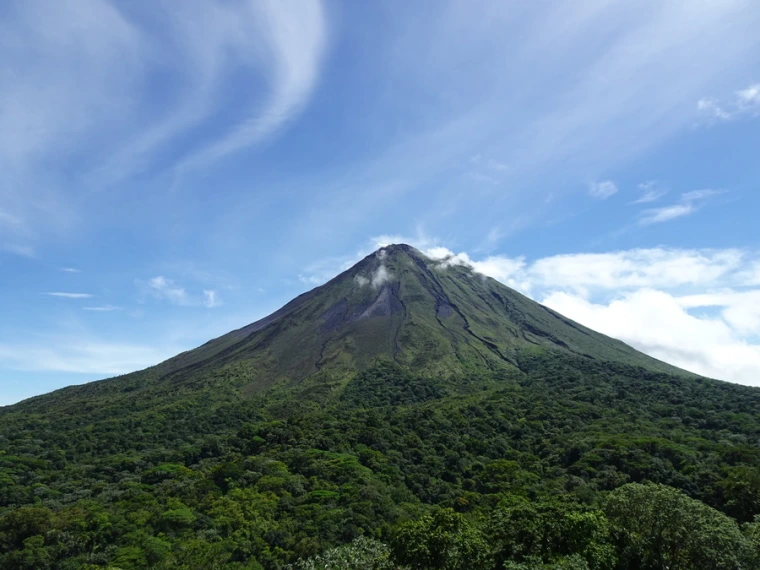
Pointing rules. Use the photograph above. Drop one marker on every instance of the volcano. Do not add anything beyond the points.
(435, 317)
(408, 401)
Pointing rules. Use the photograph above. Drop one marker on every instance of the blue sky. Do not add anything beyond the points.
(171, 171)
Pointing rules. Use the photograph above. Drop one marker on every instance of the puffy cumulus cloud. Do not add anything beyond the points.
(507, 270)
(696, 309)
(379, 276)
(656, 322)
(656, 267)
(580, 272)
(740, 309)
(751, 275)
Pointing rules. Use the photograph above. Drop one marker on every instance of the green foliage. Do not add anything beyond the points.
(444, 540)
(659, 527)
(361, 554)
(443, 415)
(549, 533)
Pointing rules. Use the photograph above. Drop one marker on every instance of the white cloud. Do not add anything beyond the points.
(583, 272)
(651, 191)
(163, 288)
(67, 66)
(361, 281)
(654, 322)
(750, 95)
(80, 109)
(70, 270)
(750, 276)
(696, 195)
(296, 38)
(380, 276)
(713, 110)
(740, 309)
(499, 267)
(698, 309)
(586, 111)
(667, 213)
(656, 300)
(102, 308)
(210, 299)
(603, 189)
(70, 295)
(689, 203)
(746, 103)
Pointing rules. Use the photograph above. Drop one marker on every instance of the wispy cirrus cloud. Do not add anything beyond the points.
(486, 170)
(651, 191)
(296, 35)
(102, 308)
(584, 111)
(98, 91)
(69, 295)
(689, 203)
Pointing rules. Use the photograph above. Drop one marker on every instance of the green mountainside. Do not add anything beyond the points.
(408, 413)
(438, 319)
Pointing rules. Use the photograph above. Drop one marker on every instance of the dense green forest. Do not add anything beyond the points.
(431, 419)
(575, 464)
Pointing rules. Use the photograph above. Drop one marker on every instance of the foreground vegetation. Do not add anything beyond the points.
(571, 464)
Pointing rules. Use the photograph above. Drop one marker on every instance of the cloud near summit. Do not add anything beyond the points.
(696, 309)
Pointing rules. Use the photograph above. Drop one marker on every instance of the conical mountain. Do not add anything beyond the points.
(404, 387)
(434, 317)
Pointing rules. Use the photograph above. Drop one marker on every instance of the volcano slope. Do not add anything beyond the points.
(403, 386)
